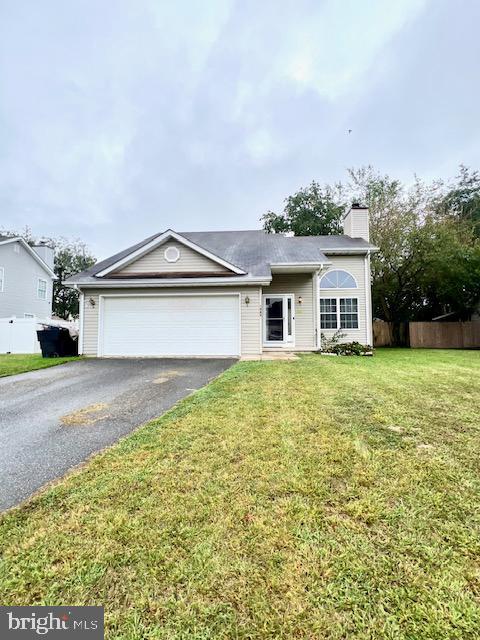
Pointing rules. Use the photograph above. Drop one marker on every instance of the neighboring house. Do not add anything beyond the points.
(26, 279)
(228, 293)
(459, 316)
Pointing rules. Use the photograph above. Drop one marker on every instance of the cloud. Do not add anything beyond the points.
(333, 51)
(121, 119)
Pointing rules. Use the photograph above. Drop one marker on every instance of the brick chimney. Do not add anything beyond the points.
(356, 222)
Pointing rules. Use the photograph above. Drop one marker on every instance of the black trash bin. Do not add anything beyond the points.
(56, 342)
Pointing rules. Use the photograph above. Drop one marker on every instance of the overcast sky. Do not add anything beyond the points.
(121, 119)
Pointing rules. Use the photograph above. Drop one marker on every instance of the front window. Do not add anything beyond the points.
(348, 313)
(42, 289)
(328, 313)
(338, 279)
(338, 313)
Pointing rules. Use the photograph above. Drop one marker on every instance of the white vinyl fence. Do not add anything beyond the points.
(19, 335)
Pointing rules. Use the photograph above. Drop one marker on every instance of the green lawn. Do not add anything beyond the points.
(318, 498)
(13, 363)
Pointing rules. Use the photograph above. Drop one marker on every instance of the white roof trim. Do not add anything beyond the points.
(178, 282)
(299, 264)
(344, 251)
(297, 267)
(131, 257)
(33, 253)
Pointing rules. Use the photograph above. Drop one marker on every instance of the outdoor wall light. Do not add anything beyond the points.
(247, 300)
(92, 302)
(300, 299)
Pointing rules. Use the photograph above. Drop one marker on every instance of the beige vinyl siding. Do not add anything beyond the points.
(360, 225)
(356, 266)
(356, 224)
(249, 313)
(189, 260)
(301, 285)
(90, 323)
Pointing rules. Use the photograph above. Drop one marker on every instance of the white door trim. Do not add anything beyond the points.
(285, 343)
(101, 314)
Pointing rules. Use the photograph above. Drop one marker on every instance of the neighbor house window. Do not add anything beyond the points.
(42, 289)
(338, 313)
(2, 278)
(338, 279)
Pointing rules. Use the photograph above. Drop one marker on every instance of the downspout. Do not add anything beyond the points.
(260, 319)
(368, 299)
(317, 309)
(81, 302)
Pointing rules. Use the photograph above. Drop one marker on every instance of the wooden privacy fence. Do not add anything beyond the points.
(445, 335)
(427, 335)
(388, 334)
(382, 334)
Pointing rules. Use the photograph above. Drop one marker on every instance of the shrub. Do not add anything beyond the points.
(333, 345)
(329, 342)
(351, 349)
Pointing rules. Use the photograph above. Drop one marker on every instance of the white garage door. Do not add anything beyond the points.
(170, 326)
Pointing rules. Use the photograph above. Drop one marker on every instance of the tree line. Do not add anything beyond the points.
(428, 234)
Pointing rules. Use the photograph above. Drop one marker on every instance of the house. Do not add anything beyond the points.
(460, 316)
(228, 293)
(26, 279)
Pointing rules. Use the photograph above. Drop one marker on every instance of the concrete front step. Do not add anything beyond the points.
(273, 355)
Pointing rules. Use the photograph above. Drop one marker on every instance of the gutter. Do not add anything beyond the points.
(320, 265)
(197, 282)
(339, 252)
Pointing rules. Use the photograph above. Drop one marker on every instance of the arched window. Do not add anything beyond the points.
(338, 279)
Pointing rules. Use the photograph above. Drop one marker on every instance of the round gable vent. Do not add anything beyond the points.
(171, 254)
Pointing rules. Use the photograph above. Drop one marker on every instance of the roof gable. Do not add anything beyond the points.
(134, 256)
(5, 240)
(172, 257)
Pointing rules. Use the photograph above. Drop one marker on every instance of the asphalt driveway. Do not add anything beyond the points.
(53, 419)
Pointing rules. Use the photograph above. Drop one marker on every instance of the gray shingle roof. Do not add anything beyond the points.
(253, 251)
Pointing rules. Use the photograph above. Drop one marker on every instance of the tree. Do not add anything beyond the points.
(428, 235)
(429, 258)
(462, 200)
(70, 257)
(449, 279)
(395, 217)
(314, 210)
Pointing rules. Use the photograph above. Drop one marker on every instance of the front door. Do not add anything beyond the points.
(278, 320)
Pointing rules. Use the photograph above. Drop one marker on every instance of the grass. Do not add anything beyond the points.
(10, 364)
(318, 498)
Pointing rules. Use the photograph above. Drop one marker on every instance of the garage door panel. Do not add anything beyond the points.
(170, 326)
